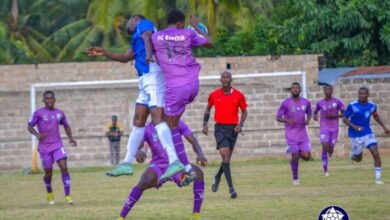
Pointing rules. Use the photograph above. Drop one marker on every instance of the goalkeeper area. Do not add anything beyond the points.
(264, 188)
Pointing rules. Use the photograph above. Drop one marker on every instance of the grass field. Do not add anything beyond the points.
(264, 187)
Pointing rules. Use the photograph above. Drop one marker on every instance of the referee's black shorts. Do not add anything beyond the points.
(225, 135)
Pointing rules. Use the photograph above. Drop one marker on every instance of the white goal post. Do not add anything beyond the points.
(88, 84)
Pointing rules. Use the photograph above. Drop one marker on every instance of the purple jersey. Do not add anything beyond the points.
(295, 110)
(159, 155)
(173, 51)
(329, 107)
(48, 122)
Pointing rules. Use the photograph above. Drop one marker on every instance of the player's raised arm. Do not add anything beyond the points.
(194, 23)
(146, 37)
(123, 57)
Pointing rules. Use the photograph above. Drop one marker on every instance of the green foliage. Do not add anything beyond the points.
(349, 33)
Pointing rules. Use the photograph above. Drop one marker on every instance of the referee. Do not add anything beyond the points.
(227, 100)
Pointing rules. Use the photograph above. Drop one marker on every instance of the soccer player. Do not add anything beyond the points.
(150, 97)
(227, 101)
(357, 117)
(151, 177)
(295, 112)
(50, 147)
(173, 52)
(331, 110)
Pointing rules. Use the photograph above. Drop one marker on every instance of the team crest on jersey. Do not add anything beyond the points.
(45, 117)
(154, 136)
(303, 108)
(367, 114)
(59, 116)
(333, 213)
(334, 105)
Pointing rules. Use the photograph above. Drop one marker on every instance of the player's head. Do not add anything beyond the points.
(295, 89)
(176, 17)
(363, 94)
(226, 79)
(133, 22)
(328, 90)
(49, 99)
(114, 119)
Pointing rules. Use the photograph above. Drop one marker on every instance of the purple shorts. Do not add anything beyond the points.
(329, 137)
(159, 170)
(294, 147)
(49, 158)
(176, 98)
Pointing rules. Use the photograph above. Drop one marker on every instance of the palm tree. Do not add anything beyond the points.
(101, 26)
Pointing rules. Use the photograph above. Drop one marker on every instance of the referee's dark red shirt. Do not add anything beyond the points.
(226, 106)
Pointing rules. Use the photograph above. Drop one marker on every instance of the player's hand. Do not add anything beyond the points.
(357, 128)
(205, 129)
(140, 156)
(331, 116)
(201, 160)
(238, 129)
(193, 22)
(315, 117)
(42, 136)
(387, 131)
(73, 142)
(149, 59)
(95, 51)
(290, 121)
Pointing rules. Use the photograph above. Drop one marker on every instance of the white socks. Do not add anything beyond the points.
(135, 139)
(378, 172)
(165, 137)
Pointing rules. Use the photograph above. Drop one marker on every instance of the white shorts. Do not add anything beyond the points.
(151, 90)
(358, 143)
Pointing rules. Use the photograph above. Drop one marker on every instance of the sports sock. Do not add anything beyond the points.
(220, 172)
(378, 172)
(66, 182)
(47, 181)
(165, 137)
(226, 170)
(133, 197)
(294, 168)
(180, 149)
(198, 190)
(135, 139)
(324, 157)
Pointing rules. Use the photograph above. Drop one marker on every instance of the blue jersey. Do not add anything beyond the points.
(138, 45)
(359, 114)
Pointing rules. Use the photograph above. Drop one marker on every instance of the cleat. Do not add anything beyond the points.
(121, 169)
(69, 200)
(173, 168)
(214, 186)
(296, 182)
(379, 182)
(120, 218)
(326, 173)
(50, 198)
(196, 216)
(233, 193)
(187, 179)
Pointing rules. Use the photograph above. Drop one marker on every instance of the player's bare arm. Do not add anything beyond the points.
(97, 51)
(285, 120)
(244, 115)
(34, 132)
(349, 124)
(146, 37)
(379, 120)
(68, 132)
(194, 24)
(200, 159)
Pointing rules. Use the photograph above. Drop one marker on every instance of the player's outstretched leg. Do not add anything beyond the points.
(294, 162)
(324, 157)
(377, 164)
(217, 179)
